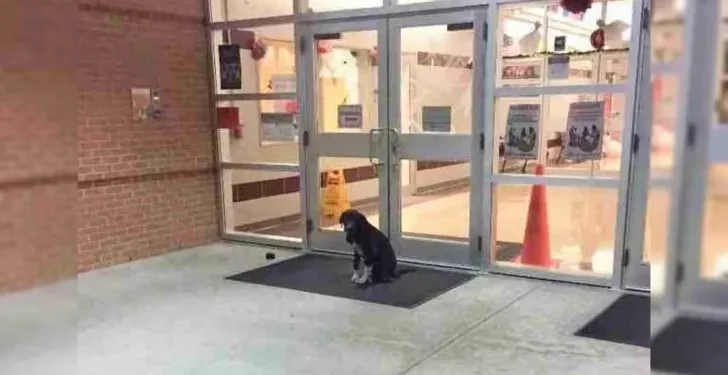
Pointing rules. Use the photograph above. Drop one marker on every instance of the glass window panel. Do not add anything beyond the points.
(267, 132)
(267, 59)
(262, 202)
(580, 222)
(552, 136)
(528, 36)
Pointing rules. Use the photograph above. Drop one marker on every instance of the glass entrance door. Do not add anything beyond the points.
(436, 65)
(656, 127)
(697, 280)
(391, 131)
(347, 134)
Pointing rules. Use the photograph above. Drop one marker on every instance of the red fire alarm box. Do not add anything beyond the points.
(229, 118)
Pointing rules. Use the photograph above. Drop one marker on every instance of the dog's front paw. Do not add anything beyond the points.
(364, 278)
(354, 277)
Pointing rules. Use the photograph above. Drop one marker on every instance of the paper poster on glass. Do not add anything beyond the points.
(515, 71)
(230, 67)
(436, 119)
(522, 132)
(283, 83)
(584, 131)
(278, 127)
(350, 116)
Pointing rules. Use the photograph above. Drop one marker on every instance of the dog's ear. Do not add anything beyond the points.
(361, 220)
(345, 216)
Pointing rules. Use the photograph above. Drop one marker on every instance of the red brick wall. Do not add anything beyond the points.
(81, 185)
(37, 143)
(144, 188)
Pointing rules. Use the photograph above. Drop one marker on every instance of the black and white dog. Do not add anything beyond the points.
(371, 246)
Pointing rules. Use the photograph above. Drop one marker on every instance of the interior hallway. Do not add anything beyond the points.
(581, 221)
(175, 314)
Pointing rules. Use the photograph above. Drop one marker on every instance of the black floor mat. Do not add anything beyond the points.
(626, 321)
(331, 276)
(692, 346)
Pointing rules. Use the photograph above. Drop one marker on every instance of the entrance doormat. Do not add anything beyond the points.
(331, 276)
(626, 321)
(691, 346)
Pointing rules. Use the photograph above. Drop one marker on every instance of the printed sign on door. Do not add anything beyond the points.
(522, 132)
(584, 131)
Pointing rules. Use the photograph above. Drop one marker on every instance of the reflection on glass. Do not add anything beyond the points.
(347, 183)
(435, 199)
(430, 103)
(666, 30)
(580, 224)
(264, 131)
(347, 82)
(714, 244)
(714, 251)
(262, 202)
(538, 45)
(664, 112)
(551, 122)
(655, 236)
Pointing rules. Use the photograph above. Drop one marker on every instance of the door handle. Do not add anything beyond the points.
(371, 146)
(394, 142)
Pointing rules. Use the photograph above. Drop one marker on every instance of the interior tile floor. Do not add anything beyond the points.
(581, 222)
(176, 315)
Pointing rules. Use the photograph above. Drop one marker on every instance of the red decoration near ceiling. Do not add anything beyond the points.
(576, 6)
(249, 39)
(597, 39)
(258, 50)
(322, 47)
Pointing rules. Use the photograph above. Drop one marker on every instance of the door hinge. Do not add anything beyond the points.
(646, 18)
(635, 143)
(482, 141)
(305, 138)
(690, 139)
(480, 244)
(625, 260)
(679, 273)
(309, 226)
(485, 31)
(302, 45)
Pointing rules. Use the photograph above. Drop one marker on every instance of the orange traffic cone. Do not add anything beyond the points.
(535, 249)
